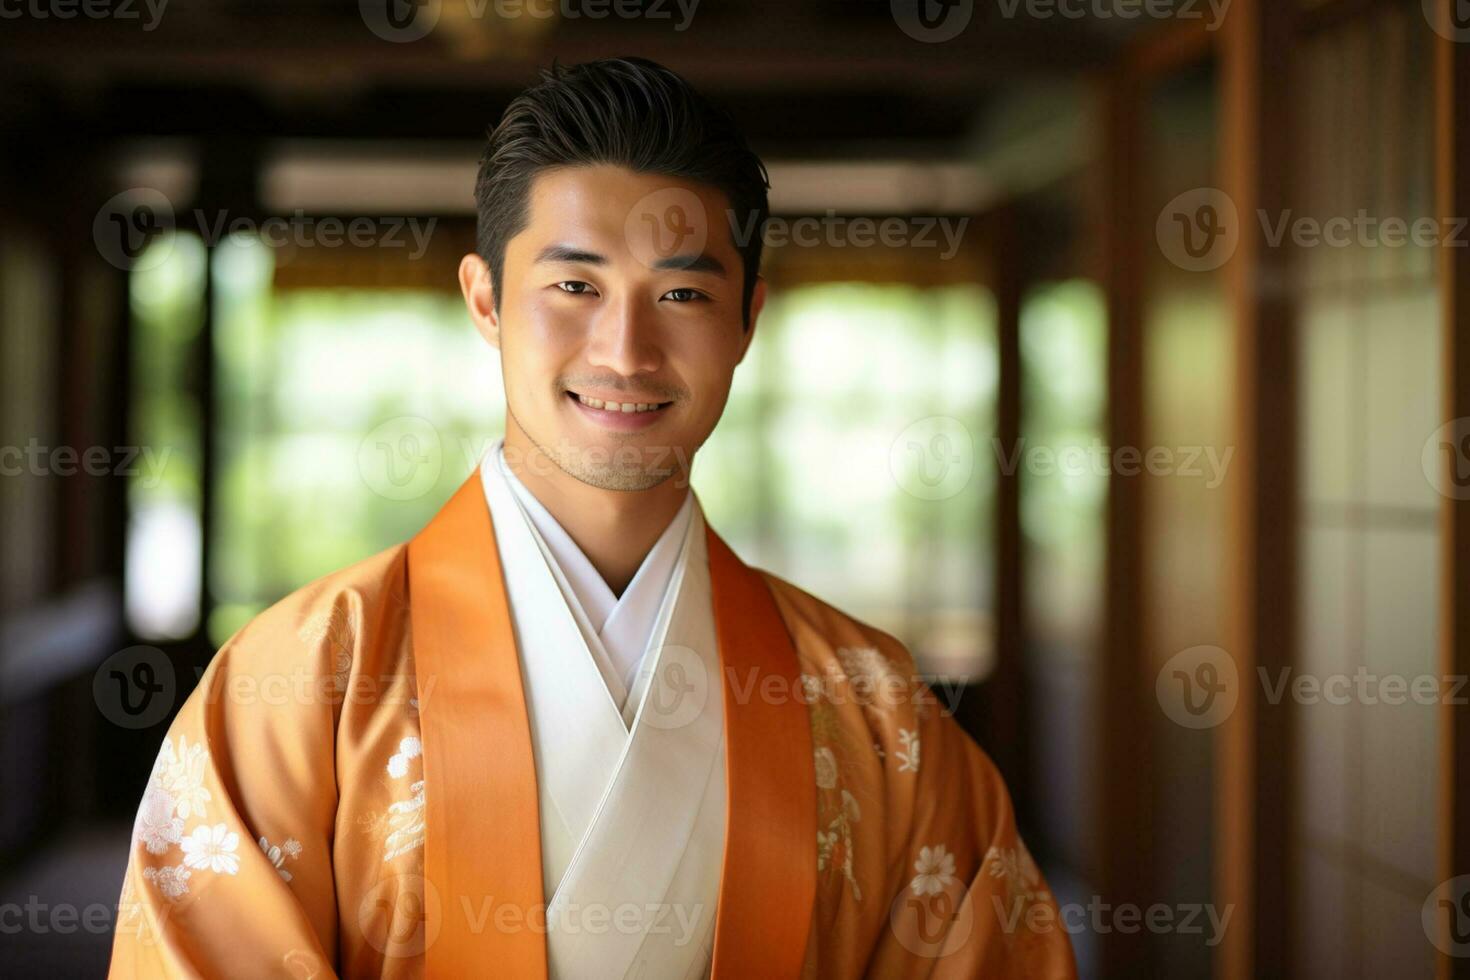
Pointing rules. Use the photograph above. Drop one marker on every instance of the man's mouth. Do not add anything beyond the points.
(626, 407)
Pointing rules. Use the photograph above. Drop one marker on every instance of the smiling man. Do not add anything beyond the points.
(564, 731)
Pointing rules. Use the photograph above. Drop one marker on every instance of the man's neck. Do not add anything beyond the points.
(616, 529)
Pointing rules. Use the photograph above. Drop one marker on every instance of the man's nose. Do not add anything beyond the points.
(623, 339)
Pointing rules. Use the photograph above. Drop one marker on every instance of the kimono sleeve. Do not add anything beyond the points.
(230, 870)
(970, 900)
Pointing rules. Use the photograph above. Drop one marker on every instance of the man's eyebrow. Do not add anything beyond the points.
(703, 262)
(568, 253)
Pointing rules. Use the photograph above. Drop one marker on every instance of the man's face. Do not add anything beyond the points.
(623, 288)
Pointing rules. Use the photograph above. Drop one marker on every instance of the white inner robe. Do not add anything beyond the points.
(632, 796)
(617, 628)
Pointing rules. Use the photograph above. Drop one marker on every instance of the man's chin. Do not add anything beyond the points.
(619, 463)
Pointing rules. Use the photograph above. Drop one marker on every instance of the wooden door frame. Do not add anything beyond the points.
(1452, 197)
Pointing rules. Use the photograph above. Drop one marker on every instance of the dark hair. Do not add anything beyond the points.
(630, 112)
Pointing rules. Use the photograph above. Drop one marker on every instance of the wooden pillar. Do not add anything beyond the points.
(1452, 178)
(1255, 752)
(1124, 764)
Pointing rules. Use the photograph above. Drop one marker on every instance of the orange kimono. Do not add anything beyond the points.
(351, 791)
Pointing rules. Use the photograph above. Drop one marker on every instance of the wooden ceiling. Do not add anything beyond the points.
(840, 75)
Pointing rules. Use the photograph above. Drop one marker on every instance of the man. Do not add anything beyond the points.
(565, 731)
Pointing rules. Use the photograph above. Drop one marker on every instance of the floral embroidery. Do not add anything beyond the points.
(839, 832)
(277, 855)
(213, 848)
(334, 633)
(157, 827)
(175, 794)
(172, 883)
(405, 822)
(826, 764)
(867, 664)
(908, 756)
(1022, 878)
(935, 868)
(1016, 866)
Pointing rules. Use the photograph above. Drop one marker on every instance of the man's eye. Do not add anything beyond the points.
(575, 286)
(683, 295)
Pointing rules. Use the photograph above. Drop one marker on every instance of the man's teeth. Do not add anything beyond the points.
(617, 406)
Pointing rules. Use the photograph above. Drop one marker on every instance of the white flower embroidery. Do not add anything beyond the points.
(213, 848)
(908, 756)
(826, 764)
(1016, 866)
(811, 688)
(333, 632)
(865, 662)
(172, 882)
(408, 750)
(826, 840)
(839, 831)
(181, 775)
(935, 868)
(176, 794)
(406, 817)
(278, 855)
(156, 827)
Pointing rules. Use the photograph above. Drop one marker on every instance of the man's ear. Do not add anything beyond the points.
(757, 302)
(479, 297)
